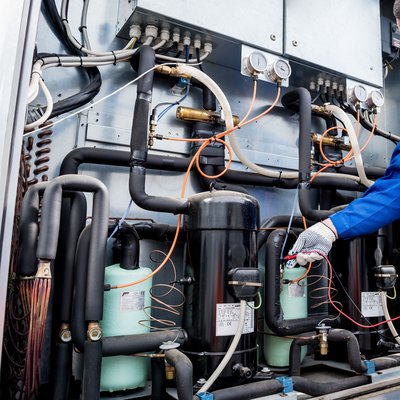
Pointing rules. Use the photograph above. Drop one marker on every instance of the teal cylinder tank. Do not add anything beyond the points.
(293, 300)
(123, 309)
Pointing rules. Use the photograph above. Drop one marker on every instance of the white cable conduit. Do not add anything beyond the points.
(49, 108)
(388, 318)
(338, 112)
(223, 101)
(228, 355)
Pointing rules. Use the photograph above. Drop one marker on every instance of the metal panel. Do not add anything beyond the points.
(339, 35)
(258, 24)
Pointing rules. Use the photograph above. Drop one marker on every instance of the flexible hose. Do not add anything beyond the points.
(231, 350)
(219, 94)
(339, 113)
(388, 318)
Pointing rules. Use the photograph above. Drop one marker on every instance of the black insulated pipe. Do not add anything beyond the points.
(92, 371)
(314, 388)
(48, 238)
(130, 344)
(77, 221)
(303, 98)
(158, 379)
(274, 316)
(300, 100)
(249, 391)
(139, 147)
(78, 323)
(140, 124)
(89, 155)
(137, 181)
(389, 361)
(295, 353)
(184, 373)
(353, 348)
(30, 229)
(62, 371)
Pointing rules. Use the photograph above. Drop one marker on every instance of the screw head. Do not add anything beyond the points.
(272, 37)
(265, 370)
(294, 43)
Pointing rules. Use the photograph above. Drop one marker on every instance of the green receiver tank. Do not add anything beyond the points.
(293, 298)
(123, 309)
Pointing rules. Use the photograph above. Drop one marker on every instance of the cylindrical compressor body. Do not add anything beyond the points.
(222, 235)
(123, 309)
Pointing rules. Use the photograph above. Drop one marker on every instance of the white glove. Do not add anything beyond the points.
(313, 243)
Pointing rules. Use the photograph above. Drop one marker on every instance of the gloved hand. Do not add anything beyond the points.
(317, 238)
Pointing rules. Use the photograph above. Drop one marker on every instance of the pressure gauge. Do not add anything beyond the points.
(358, 94)
(375, 99)
(255, 63)
(279, 70)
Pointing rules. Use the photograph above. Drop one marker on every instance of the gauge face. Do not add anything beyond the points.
(377, 98)
(360, 93)
(257, 62)
(282, 69)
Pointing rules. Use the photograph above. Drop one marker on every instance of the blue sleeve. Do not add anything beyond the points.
(379, 205)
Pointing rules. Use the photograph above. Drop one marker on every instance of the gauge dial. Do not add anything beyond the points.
(256, 63)
(375, 99)
(358, 94)
(279, 70)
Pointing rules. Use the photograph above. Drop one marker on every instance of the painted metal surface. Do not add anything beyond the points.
(337, 35)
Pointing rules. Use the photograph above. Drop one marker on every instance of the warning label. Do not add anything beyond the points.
(371, 304)
(227, 319)
(131, 301)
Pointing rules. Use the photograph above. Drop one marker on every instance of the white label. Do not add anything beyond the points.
(131, 301)
(371, 304)
(227, 319)
(296, 290)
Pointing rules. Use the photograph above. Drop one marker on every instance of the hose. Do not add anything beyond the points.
(339, 113)
(219, 94)
(231, 350)
(388, 317)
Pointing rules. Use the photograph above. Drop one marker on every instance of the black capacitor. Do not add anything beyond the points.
(222, 235)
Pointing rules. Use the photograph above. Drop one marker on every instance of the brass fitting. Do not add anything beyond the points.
(171, 71)
(94, 332)
(330, 141)
(323, 331)
(169, 372)
(44, 269)
(65, 333)
(196, 114)
(321, 110)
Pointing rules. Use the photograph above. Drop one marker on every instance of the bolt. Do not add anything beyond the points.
(201, 382)
(265, 370)
(294, 43)
(273, 37)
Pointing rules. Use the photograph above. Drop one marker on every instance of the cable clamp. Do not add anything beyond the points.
(287, 383)
(370, 366)
(81, 60)
(115, 58)
(82, 27)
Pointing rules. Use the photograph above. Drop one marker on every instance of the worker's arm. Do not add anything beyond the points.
(379, 206)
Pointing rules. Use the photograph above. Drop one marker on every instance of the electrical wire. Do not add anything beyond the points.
(56, 122)
(228, 355)
(122, 220)
(172, 105)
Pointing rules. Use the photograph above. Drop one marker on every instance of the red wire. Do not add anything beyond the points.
(339, 310)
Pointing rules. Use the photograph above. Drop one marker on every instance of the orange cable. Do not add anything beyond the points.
(186, 179)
